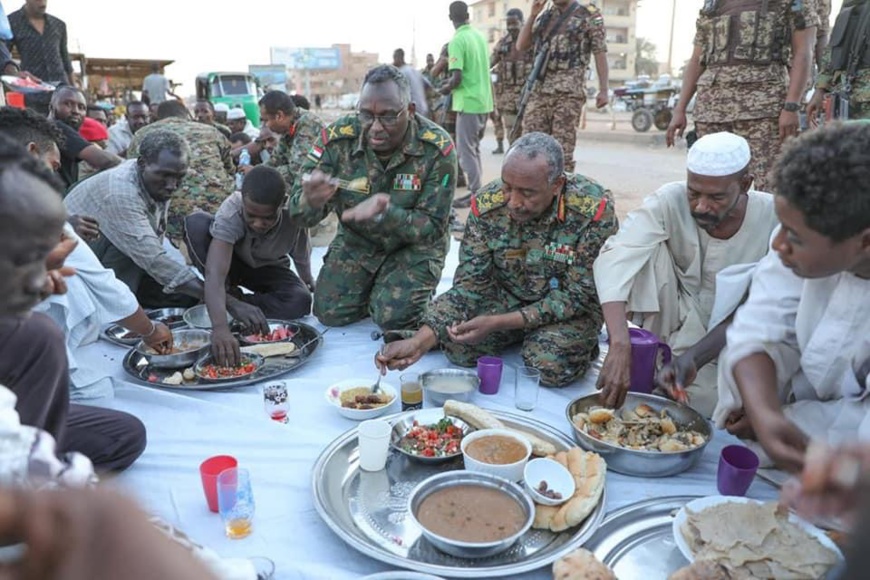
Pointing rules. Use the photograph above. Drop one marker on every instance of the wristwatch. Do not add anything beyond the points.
(791, 107)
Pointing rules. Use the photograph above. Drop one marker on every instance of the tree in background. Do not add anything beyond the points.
(645, 62)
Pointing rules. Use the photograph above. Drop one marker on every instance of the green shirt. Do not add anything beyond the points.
(468, 52)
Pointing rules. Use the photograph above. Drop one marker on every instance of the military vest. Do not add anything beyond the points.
(752, 32)
(846, 33)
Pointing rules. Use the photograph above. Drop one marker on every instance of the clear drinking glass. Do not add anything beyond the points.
(236, 502)
(528, 382)
(275, 400)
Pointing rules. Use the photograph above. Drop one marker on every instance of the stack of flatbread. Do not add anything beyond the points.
(588, 470)
(756, 540)
(581, 564)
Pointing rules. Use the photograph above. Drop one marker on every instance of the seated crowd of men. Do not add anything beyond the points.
(773, 287)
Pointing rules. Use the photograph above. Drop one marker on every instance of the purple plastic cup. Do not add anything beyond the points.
(737, 467)
(489, 372)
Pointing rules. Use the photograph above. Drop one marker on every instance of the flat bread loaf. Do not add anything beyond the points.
(589, 471)
(271, 349)
(581, 564)
(482, 419)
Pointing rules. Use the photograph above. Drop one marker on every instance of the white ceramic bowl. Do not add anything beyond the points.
(510, 471)
(333, 396)
(554, 473)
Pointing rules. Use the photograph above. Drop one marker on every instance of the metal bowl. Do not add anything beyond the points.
(644, 463)
(180, 360)
(197, 317)
(273, 325)
(171, 317)
(401, 428)
(256, 359)
(461, 478)
(433, 396)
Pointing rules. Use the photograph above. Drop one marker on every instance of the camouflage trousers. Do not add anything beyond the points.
(562, 352)
(497, 124)
(185, 203)
(394, 290)
(556, 115)
(764, 143)
(859, 110)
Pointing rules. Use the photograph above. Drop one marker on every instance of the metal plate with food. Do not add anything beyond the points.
(209, 370)
(26, 86)
(650, 436)
(428, 436)
(171, 317)
(370, 510)
(637, 541)
(189, 345)
(117, 334)
(276, 364)
(279, 331)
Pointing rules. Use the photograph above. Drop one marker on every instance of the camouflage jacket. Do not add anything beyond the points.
(546, 264)
(210, 175)
(420, 178)
(829, 79)
(581, 36)
(295, 145)
(512, 69)
(744, 54)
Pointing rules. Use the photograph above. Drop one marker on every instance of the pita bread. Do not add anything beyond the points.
(581, 564)
(705, 570)
(482, 419)
(271, 349)
(589, 471)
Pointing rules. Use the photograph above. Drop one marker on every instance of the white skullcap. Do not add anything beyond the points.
(221, 108)
(235, 114)
(718, 154)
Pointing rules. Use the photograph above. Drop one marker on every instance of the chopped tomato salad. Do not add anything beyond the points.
(439, 440)
(280, 333)
(212, 371)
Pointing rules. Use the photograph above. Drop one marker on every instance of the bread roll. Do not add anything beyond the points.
(581, 564)
(589, 471)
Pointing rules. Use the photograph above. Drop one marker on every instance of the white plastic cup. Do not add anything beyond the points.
(374, 444)
(528, 383)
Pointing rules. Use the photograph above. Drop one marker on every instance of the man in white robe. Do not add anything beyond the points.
(798, 355)
(660, 269)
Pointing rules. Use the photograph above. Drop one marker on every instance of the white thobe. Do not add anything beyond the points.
(95, 298)
(817, 332)
(664, 266)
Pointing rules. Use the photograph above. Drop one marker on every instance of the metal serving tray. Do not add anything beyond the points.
(369, 510)
(637, 541)
(307, 340)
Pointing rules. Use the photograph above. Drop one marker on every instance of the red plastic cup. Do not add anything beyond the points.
(737, 467)
(209, 471)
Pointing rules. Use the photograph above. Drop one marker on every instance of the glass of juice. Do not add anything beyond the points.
(412, 393)
(275, 400)
(236, 502)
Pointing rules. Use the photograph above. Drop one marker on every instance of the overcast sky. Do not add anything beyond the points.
(204, 36)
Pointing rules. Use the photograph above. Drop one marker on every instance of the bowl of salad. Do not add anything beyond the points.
(429, 437)
(207, 369)
(279, 331)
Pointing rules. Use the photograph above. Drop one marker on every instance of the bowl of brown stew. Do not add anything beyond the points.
(471, 515)
(497, 452)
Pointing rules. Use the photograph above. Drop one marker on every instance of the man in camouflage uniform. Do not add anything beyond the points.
(834, 70)
(297, 128)
(389, 174)
(512, 68)
(525, 271)
(739, 69)
(210, 175)
(560, 93)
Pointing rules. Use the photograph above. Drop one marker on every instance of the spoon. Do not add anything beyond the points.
(377, 386)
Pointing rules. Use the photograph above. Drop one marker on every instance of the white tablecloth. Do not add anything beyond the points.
(184, 428)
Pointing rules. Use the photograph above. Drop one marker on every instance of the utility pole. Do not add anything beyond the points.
(671, 43)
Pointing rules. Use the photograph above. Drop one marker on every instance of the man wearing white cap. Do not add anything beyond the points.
(660, 269)
(238, 122)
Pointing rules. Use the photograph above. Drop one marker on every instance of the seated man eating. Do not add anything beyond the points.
(130, 202)
(33, 363)
(798, 355)
(524, 273)
(660, 269)
(247, 244)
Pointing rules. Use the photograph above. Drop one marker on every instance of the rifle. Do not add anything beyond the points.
(856, 52)
(542, 56)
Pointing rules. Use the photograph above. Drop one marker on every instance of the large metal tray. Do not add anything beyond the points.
(114, 332)
(637, 541)
(308, 339)
(368, 510)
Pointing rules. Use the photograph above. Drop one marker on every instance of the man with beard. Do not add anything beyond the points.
(524, 273)
(512, 68)
(660, 269)
(389, 174)
(68, 107)
(121, 133)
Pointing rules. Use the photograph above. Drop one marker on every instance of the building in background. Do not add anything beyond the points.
(620, 17)
(332, 72)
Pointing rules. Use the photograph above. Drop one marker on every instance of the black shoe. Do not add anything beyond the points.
(499, 150)
(460, 180)
(462, 202)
